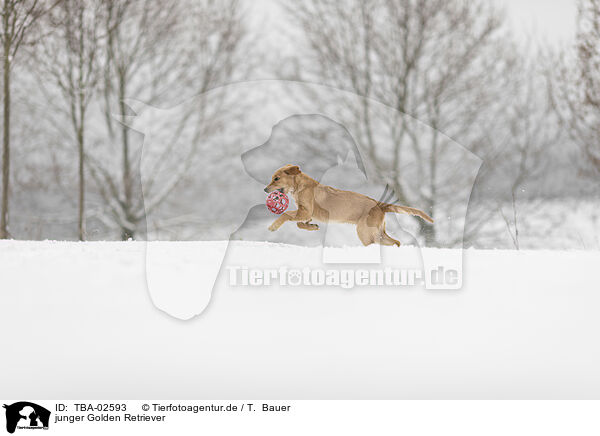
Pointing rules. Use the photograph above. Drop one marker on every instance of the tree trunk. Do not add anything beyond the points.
(427, 231)
(81, 220)
(127, 185)
(127, 234)
(6, 148)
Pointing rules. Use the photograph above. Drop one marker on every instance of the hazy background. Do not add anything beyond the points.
(121, 126)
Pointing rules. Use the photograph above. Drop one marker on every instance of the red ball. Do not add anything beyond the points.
(277, 202)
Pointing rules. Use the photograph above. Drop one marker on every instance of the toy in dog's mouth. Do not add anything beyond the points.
(277, 201)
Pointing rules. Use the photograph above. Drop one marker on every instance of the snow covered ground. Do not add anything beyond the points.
(77, 322)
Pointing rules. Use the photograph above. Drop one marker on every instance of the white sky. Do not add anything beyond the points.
(545, 20)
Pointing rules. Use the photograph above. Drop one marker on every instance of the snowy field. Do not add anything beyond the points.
(78, 322)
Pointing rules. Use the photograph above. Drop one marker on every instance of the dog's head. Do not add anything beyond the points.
(284, 179)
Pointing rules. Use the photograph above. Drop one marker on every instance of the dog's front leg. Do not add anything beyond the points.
(304, 212)
(287, 216)
(296, 215)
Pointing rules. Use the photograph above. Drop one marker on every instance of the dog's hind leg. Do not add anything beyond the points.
(366, 233)
(371, 229)
(388, 240)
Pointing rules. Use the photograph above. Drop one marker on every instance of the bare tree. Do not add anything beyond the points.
(157, 52)
(575, 87)
(440, 62)
(530, 136)
(18, 19)
(70, 56)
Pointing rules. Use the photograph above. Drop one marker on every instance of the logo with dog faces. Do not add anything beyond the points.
(24, 415)
(319, 138)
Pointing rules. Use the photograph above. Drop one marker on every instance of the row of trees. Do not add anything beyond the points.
(450, 65)
(18, 21)
(88, 57)
(576, 87)
(454, 66)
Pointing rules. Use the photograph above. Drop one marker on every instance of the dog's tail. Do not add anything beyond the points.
(386, 207)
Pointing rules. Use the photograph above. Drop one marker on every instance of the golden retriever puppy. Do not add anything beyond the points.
(327, 204)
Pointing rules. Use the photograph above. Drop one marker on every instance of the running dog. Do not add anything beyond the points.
(327, 204)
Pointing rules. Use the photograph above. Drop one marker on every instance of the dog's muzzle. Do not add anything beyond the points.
(279, 189)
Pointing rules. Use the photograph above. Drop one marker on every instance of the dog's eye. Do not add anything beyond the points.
(275, 179)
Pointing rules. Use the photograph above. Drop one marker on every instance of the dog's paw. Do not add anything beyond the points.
(273, 227)
(307, 226)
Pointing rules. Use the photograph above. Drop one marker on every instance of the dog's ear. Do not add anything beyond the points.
(293, 170)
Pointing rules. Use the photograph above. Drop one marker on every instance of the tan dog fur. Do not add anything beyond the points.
(327, 204)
